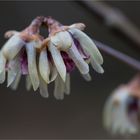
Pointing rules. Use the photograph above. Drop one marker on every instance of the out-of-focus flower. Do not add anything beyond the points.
(68, 47)
(122, 109)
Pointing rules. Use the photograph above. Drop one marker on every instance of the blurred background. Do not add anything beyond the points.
(79, 116)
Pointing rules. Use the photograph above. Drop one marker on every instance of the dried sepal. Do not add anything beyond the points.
(2, 76)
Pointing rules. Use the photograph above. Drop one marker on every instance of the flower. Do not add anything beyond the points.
(68, 47)
(43, 61)
(18, 55)
(122, 109)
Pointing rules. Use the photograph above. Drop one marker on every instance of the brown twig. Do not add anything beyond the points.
(115, 18)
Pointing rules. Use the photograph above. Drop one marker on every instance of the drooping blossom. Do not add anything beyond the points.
(43, 61)
(122, 109)
(68, 48)
(18, 55)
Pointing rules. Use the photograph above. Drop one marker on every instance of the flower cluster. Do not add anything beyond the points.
(122, 109)
(44, 60)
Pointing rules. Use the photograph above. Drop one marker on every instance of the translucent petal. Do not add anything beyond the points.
(43, 88)
(44, 67)
(59, 88)
(2, 68)
(13, 46)
(2, 77)
(97, 67)
(28, 83)
(87, 77)
(15, 84)
(67, 84)
(13, 70)
(53, 72)
(79, 26)
(58, 61)
(62, 40)
(32, 67)
(78, 60)
(87, 44)
(2, 62)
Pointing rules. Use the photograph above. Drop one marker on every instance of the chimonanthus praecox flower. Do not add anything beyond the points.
(46, 60)
(122, 109)
(18, 55)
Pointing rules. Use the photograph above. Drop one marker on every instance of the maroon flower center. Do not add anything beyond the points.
(24, 62)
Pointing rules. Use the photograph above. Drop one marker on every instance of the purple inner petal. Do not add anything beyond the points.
(133, 104)
(24, 62)
(133, 107)
(80, 49)
(68, 62)
(70, 65)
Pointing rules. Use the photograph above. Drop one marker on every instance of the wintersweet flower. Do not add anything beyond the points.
(122, 109)
(43, 61)
(67, 47)
(18, 55)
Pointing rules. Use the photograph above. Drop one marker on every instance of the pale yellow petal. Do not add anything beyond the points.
(12, 46)
(32, 66)
(44, 67)
(67, 84)
(43, 87)
(15, 83)
(97, 67)
(62, 40)
(2, 62)
(87, 77)
(58, 61)
(13, 70)
(2, 76)
(53, 72)
(87, 44)
(59, 88)
(28, 83)
(78, 60)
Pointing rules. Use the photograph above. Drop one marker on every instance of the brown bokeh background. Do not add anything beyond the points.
(79, 116)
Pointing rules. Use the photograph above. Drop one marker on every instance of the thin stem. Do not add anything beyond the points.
(118, 55)
(115, 18)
